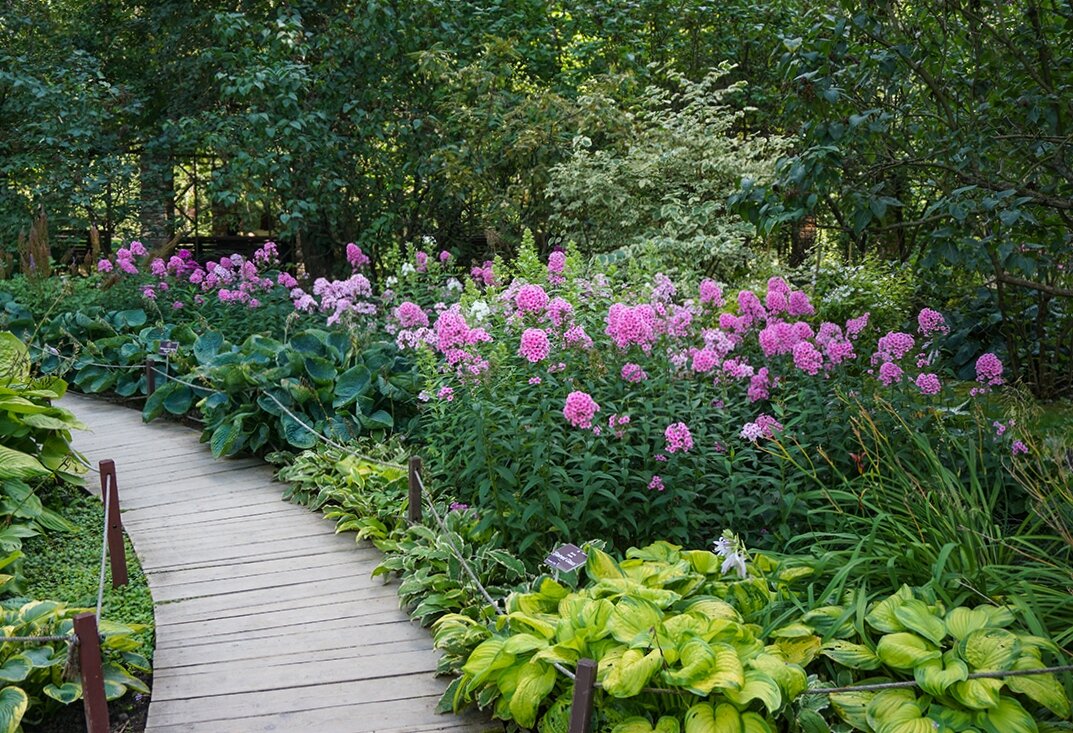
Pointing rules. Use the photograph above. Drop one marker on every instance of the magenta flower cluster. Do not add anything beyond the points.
(678, 438)
(580, 409)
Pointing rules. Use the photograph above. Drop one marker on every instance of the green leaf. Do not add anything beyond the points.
(351, 384)
(66, 693)
(13, 704)
(1044, 689)
(758, 686)
(320, 370)
(208, 346)
(977, 694)
(599, 565)
(295, 434)
(854, 656)
(905, 650)
(633, 620)
(628, 671)
(990, 650)
(882, 617)
(633, 725)
(535, 681)
(934, 677)
(915, 615)
(709, 666)
(16, 668)
(180, 400)
(16, 464)
(962, 621)
(1006, 717)
(852, 707)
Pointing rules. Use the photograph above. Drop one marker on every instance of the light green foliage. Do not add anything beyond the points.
(883, 289)
(660, 187)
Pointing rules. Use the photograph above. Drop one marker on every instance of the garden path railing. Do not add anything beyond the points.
(585, 676)
(84, 658)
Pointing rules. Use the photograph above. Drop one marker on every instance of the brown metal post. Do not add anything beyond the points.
(113, 524)
(150, 375)
(413, 512)
(584, 688)
(89, 659)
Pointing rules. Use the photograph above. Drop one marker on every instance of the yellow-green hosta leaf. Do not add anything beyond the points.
(702, 718)
(852, 707)
(915, 615)
(891, 707)
(615, 588)
(631, 671)
(704, 561)
(534, 683)
(962, 621)
(706, 667)
(1006, 717)
(600, 566)
(523, 643)
(484, 661)
(713, 608)
(830, 621)
(758, 686)
(905, 650)
(13, 704)
(799, 650)
(667, 724)
(635, 724)
(791, 678)
(854, 656)
(977, 694)
(987, 650)
(999, 616)
(792, 631)
(543, 625)
(658, 551)
(633, 621)
(882, 618)
(1044, 689)
(934, 677)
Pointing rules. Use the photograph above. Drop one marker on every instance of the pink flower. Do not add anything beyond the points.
(711, 293)
(751, 431)
(445, 257)
(633, 372)
(800, 305)
(854, 326)
(738, 368)
(656, 484)
(484, 274)
(759, 386)
(138, 249)
(534, 380)
(559, 311)
(1018, 448)
(534, 346)
(556, 263)
(411, 315)
(104, 266)
(705, 360)
(928, 384)
(628, 325)
(576, 336)
(356, 257)
(127, 266)
(750, 308)
(148, 292)
(158, 268)
(678, 438)
(580, 409)
(422, 261)
(178, 305)
(284, 280)
(807, 358)
(890, 373)
(930, 321)
(893, 346)
(989, 370)
(446, 393)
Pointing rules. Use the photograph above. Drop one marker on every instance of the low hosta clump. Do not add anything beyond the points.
(695, 641)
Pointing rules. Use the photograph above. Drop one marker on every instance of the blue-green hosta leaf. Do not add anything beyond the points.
(295, 433)
(987, 650)
(66, 693)
(42, 657)
(936, 675)
(628, 671)
(758, 686)
(1044, 689)
(1006, 717)
(535, 681)
(706, 667)
(962, 621)
(351, 384)
(13, 704)
(915, 615)
(854, 656)
(16, 668)
(905, 651)
(882, 618)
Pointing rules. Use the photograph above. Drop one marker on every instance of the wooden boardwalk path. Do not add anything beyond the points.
(265, 619)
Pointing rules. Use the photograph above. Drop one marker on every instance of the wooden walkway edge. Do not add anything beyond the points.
(266, 620)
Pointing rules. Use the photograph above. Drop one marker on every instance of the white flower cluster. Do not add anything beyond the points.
(733, 552)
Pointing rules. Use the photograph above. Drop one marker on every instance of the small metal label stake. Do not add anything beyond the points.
(567, 558)
(168, 347)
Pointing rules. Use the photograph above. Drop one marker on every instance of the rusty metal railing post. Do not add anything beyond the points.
(113, 524)
(92, 671)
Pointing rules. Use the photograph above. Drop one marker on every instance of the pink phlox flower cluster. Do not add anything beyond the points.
(556, 265)
(664, 289)
(484, 274)
(355, 257)
(1018, 448)
(710, 293)
(1001, 428)
(854, 326)
(928, 384)
(618, 423)
(800, 304)
(576, 336)
(414, 339)
(410, 315)
(930, 321)
(989, 370)
(580, 409)
(679, 359)
(759, 386)
(445, 257)
(678, 324)
(893, 346)
(104, 266)
(534, 380)
(890, 373)
(765, 426)
(303, 301)
(777, 298)
(138, 249)
(421, 259)
(633, 372)
(531, 299)
(178, 305)
(283, 279)
(656, 484)
(704, 360)
(807, 358)
(267, 254)
(158, 268)
(628, 325)
(738, 368)
(559, 311)
(778, 338)
(750, 308)
(717, 341)
(534, 346)
(445, 393)
(148, 292)
(678, 438)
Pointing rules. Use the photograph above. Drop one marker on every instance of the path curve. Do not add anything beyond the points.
(266, 620)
